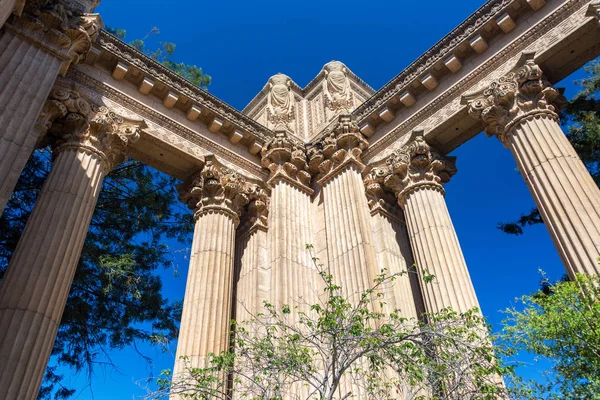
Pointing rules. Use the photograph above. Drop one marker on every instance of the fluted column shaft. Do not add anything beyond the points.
(295, 278)
(566, 195)
(521, 108)
(352, 257)
(209, 290)
(27, 74)
(254, 283)
(437, 251)
(34, 290)
(395, 255)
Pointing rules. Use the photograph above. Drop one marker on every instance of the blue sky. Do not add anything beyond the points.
(242, 43)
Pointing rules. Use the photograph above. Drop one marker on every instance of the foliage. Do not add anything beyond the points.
(115, 300)
(560, 323)
(581, 118)
(164, 54)
(342, 348)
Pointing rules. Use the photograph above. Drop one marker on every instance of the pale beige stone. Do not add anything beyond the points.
(429, 81)
(385, 114)
(120, 71)
(170, 100)
(407, 99)
(453, 64)
(34, 290)
(146, 86)
(566, 195)
(536, 4)
(236, 136)
(478, 44)
(193, 113)
(368, 129)
(506, 23)
(215, 125)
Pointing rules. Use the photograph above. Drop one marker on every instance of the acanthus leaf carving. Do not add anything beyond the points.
(218, 189)
(414, 166)
(99, 130)
(286, 158)
(342, 145)
(522, 93)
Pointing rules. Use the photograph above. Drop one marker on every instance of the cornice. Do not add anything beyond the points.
(172, 80)
(468, 82)
(441, 49)
(163, 121)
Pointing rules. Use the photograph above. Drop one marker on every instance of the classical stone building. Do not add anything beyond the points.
(357, 172)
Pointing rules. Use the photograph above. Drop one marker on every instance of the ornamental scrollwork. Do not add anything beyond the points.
(218, 189)
(59, 27)
(342, 145)
(520, 94)
(286, 159)
(101, 132)
(415, 166)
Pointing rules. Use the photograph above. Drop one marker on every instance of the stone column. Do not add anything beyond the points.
(521, 110)
(351, 254)
(8, 7)
(295, 278)
(253, 281)
(34, 49)
(393, 248)
(217, 195)
(37, 282)
(417, 173)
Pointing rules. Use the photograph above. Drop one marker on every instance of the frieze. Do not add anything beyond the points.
(154, 117)
(449, 101)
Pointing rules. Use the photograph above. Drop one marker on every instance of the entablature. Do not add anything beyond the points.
(125, 63)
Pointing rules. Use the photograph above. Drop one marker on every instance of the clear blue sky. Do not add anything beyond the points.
(242, 43)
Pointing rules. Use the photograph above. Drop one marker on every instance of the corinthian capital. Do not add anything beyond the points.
(417, 165)
(286, 160)
(59, 27)
(101, 132)
(518, 95)
(342, 146)
(217, 189)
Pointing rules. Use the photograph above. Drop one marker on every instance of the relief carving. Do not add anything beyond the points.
(281, 103)
(218, 189)
(286, 159)
(344, 144)
(518, 95)
(337, 88)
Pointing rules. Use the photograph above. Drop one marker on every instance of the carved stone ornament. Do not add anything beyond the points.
(343, 145)
(258, 210)
(521, 94)
(281, 103)
(217, 189)
(96, 130)
(417, 165)
(286, 159)
(594, 10)
(338, 97)
(378, 195)
(58, 28)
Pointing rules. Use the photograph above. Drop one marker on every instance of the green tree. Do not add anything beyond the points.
(581, 120)
(342, 348)
(560, 323)
(116, 299)
(164, 54)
